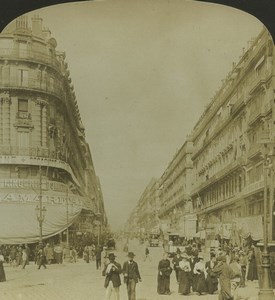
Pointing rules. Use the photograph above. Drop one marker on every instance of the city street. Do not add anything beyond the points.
(82, 281)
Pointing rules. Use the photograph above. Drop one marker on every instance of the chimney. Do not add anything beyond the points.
(22, 22)
(37, 26)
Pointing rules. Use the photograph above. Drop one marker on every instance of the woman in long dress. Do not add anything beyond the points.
(252, 273)
(2, 271)
(164, 272)
(200, 274)
(211, 278)
(184, 275)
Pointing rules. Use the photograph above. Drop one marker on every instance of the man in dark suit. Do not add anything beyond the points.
(112, 272)
(193, 260)
(131, 276)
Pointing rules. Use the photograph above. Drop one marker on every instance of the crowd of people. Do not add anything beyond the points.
(196, 272)
(228, 268)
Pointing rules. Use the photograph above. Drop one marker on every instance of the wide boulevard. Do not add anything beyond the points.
(81, 281)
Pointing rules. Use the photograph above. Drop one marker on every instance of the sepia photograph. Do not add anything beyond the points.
(137, 143)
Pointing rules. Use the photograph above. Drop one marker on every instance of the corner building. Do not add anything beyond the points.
(231, 142)
(43, 151)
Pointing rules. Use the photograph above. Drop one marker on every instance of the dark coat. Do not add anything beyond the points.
(113, 275)
(164, 271)
(131, 271)
(212, 278)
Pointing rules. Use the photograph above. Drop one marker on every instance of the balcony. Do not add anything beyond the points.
(33, 84)
(254, 151)
(259, 80)
(34, 152)
(238, 105)
(32, 56)
(253, 187)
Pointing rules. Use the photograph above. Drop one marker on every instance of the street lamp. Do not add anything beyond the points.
(40, 215)
(67, 215)
(266, 291)
(98, 222)
(40, 211)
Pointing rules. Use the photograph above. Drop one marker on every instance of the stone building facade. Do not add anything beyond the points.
(176, 211)
(218, 174)
(231, 141)
(43, 151)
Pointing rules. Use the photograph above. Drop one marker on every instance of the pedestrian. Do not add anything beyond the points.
(19, 254)
(175, 262)
(28, 252)
(199, 273)
(98, 251)
(49, 253)
(193, 260)
(104, 257)
(58, 252)
(224, 273)
(24, 258)
(41, 257)
(73, 255)
(2, 271)
(243, 263)
(86, 254)
(147, 254)
(211, 278)
(112, 273)
(252, 273)
(164, 272)
(184, 275)
(236, 276)
(131, 276)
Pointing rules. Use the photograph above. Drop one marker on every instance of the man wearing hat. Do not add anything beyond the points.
(112, 272)
(131, 276)
(175, 261)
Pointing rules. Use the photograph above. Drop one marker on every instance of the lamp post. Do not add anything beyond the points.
(266, 291)
(67, 215)
(98, 223)
(40, 211)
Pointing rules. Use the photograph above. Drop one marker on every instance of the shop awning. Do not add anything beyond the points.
(250, 226)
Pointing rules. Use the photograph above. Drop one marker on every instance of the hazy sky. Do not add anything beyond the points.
(143, 72)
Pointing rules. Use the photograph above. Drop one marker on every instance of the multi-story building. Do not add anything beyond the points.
(144, 218)
(45, 160)
(222, 164)
(176, 211)
(231, 140)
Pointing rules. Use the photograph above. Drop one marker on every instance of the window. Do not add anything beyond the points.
(23, 139)
(6, 46)
(22, 49)
(23, 76)
(23, 109)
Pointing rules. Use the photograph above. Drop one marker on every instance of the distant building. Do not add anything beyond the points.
(176, 211)
(144, 218)
(43, 151)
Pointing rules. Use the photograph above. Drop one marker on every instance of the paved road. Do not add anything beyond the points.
(81, 281)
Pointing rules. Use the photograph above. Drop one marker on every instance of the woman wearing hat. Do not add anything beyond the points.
(211, 278)
(164, 272)
(199, 272)
(2, 272)
(184, 275)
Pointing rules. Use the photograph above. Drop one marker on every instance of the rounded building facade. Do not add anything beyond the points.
(44, 158)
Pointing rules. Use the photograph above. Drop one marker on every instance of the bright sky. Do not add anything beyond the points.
(143, 72)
